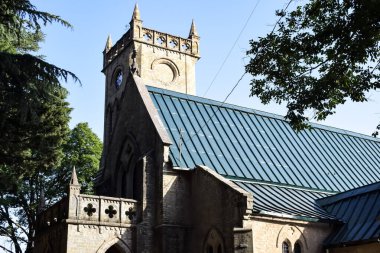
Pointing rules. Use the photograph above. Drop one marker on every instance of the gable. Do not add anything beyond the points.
(241, 143)
(359, 209)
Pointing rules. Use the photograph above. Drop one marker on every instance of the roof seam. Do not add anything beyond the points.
(254, 111)
(295, 187)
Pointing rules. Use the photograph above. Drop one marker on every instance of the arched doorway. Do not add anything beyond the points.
(214, 242)
(114, 249)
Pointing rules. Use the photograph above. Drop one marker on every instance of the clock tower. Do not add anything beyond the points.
(160, 59)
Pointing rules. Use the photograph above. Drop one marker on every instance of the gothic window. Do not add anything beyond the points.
(285, 247)
(117, 77)
(297, 247)
(129, 172)
(214, 242)
(114, 249)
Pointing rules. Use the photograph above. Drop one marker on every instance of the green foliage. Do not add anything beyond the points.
(322, 54)
(82, 150)
(34, 119)
(30, 148)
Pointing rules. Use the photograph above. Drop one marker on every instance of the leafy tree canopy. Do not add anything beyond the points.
(83, 151)
(34, 119)
(321, 55)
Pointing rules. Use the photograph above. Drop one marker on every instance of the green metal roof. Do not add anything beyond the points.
(238, 142)
(286, 202)
(359, 209)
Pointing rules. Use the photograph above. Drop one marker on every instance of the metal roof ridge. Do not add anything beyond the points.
(294, 187)
(255, 111)
(295, 217)
(349, 194)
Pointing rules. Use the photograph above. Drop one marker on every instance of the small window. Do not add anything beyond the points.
(214, 242)
(297, 248)
(285, 247)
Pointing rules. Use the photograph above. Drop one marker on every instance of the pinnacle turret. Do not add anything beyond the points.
(74, 178)
(193, 30)
(136, 13)
(108, 43)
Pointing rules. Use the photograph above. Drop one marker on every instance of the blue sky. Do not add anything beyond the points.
(219, 24)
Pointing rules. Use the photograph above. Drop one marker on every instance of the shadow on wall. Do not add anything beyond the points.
(294, 238)
(176, 212)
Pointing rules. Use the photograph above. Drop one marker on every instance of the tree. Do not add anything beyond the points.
(83, 151)
(33, 118)
(20, 200)
(27, 82)
(322, 54)
(35, 149)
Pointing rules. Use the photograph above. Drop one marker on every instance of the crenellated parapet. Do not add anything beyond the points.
(91, 210)
(111, 52)
(154, 38)
(169, 42)
(76, 208)
(103, 210)
(55, 214)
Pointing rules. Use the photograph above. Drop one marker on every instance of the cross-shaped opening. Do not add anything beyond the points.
(89, 209)
(130, 213)
(111, 211)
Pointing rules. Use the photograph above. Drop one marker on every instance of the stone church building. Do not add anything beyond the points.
(182, 173)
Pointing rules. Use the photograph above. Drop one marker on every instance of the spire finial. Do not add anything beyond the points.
(193, 30)
(108, 43)
(136, 12)
(74, 178)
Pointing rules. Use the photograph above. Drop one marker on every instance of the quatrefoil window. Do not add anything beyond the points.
(89, 209)
(160, 40)
(185, 47)
(130, 213)
(147, 36)
(173, 43)
(111, 211)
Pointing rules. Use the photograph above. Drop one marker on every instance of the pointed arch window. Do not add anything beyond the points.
(214, 242)
(297, 248)
(285, 247)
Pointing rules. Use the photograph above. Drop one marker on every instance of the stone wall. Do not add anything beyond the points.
(87, 224)
(269, 233)
(90, 239)
(217, 208)
(175, 212)
(167, 69)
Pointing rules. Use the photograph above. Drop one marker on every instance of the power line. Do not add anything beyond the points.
(233, 46)
(237, 83)
(214, 113)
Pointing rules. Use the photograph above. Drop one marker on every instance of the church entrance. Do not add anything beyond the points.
(114, 249)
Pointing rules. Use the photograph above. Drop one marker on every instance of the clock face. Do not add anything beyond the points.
(118, 79)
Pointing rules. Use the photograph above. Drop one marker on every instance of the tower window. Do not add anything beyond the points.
(285, 247)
